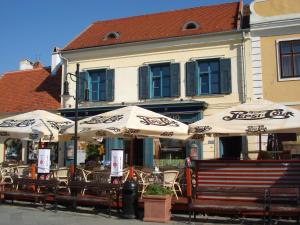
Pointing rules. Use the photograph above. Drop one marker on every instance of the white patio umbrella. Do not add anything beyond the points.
(130, 122)
(35, 125)
(260, 116)
(254, 118)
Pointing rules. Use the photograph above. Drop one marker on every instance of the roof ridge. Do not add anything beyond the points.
(164, 12)
(26, 70)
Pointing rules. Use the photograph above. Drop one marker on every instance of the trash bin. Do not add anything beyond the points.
(130, 199)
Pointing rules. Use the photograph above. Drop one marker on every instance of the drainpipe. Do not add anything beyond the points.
(244, 79)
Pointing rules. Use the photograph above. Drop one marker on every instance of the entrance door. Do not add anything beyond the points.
(138, 153)
(231, 147)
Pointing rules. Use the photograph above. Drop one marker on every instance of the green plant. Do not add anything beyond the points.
(92, 151)
(156, 189)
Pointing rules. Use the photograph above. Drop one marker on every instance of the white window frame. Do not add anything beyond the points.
(279, 61)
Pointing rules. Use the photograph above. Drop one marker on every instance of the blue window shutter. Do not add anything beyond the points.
(225, 76)
(148, 152)
(144, 82)
(190, 81)
(110, 84)
(175, 80)
(82, 85)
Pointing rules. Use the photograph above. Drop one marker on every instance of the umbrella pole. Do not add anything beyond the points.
(260, 148)
(131, 159)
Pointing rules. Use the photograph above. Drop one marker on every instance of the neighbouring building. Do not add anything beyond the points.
(31, 88)
(185, 64)
(275, 38)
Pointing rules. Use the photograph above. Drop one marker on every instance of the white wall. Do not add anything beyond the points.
(1, 152)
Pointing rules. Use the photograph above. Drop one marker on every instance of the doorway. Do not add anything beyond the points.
(138, 152)
(231, 147)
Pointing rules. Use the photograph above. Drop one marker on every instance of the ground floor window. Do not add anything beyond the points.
(171, 149)
(32, 155)
(231, 147)
(13, 150)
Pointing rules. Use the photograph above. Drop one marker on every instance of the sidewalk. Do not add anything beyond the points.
(26, 215)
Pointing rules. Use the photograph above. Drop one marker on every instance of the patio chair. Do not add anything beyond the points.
(61, 175)
(6, 176)
(169, 181)
(84, 174)
(143, 180)
(22, 171)
(125, 175)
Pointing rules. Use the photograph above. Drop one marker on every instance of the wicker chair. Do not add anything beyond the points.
(169, 181)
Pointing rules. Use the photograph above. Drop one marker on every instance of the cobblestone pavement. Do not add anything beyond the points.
(29, 215)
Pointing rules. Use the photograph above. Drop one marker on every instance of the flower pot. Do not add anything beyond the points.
(157, 208)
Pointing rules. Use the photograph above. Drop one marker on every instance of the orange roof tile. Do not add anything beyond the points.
(28, 90)
(215, 18)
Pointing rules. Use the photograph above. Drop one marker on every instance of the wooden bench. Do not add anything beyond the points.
(101, 194)
(27, 189)
(243, 188)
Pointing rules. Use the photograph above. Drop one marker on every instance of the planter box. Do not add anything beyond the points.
(157, 208)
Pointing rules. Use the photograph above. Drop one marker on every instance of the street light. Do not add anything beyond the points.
(67, 94)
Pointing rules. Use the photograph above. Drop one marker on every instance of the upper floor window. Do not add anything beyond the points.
(159, 80)
(191, 25)
(289, 55)
(206, 77)
(97, 85)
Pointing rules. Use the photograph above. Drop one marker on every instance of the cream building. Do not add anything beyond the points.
(178, 63)
(275, 40)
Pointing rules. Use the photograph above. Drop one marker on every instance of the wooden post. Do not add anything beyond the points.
(33, 171)
(71, 170)
(188, 177)
(131, 160)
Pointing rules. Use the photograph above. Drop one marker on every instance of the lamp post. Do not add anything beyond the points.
(66, 93)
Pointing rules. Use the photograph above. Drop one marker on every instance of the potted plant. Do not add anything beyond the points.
(157, 203)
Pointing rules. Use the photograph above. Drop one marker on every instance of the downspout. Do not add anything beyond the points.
(244, 79)
(240, 28)
(64, 60)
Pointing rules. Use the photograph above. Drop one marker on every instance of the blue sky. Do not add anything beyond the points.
(30, 29)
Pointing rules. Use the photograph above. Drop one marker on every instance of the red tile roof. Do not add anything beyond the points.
(215, 18)
(27, 90)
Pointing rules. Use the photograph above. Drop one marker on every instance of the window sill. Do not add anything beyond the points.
(209, 96)
(288, 79)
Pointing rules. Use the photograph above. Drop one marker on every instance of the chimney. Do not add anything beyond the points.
(25, 64)
(55, 60)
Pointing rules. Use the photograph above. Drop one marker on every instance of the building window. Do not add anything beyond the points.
(112, 35)
(97, 85)
(289, 56)
(159, 81)
(207, 77)
(97, 80)
(13, 150)
(190, 26)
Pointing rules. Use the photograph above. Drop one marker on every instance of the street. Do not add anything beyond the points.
(29, 215)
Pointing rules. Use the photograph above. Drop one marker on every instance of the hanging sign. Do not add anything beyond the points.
(117, 162)
(44, 161)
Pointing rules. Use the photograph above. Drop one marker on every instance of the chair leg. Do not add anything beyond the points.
(174, 190)
(179, 188)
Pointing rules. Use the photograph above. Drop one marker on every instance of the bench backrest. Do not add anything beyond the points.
(28, 183)
(94, 186)
(238, 176)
